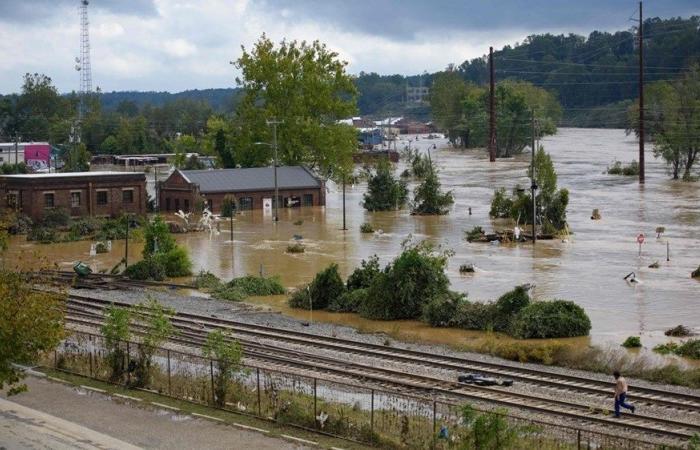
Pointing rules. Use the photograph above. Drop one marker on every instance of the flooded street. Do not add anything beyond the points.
(588, 269)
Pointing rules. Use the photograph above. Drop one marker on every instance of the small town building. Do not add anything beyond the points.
(252, 188)
(81, 194)
(36, 155)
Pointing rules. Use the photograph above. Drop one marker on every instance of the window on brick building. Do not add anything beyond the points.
(75, 199)
(308, 200)
(48, 200)
(245, 203)
(102, 198)
(128, 196)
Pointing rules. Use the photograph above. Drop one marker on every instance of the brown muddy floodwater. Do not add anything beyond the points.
(588, 269)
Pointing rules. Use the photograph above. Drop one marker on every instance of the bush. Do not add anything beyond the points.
(349, 301)
(384, 192)
(551, 319)
(665, 349)
(475, 316)
(617, 168)
(252, 285)
(501, 205)
(508, 306)
(474, 234)
(232, 294)
(43, 235)
(296, 248)
(112, 229)
(363, 276)
(466, 268)
(19, 224)
(101, 247)
(402, 289)
(146, 269)
(366, 228)
(326, 287)
(678, 331)
(632, 342)
(300, 298)
(157, 236)
(175, 262)
(55, 217)
(689, 349)
(83, 227)
(696, 273)
(206, 281)
(441, 311)
(428, 198)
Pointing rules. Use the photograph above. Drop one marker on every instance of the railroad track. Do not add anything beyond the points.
(193, 329)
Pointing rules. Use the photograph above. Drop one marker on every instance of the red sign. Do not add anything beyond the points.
(640, 238)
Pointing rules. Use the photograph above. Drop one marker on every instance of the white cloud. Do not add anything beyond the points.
(179, 48)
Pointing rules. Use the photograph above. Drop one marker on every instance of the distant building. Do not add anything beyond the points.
(102, 194)
(253, 188)
(35, 154)
(418, 94)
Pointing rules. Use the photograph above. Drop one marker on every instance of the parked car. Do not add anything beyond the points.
(483, 380)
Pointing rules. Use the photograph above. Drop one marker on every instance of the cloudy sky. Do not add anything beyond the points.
(173, 45)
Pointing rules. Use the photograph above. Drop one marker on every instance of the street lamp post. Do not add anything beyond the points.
(274, 124)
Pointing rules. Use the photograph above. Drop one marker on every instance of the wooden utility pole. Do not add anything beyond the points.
(492, 109)
(344, 227)
(533, 184)
(641, 96)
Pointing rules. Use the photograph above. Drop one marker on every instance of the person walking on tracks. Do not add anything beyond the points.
(621, 394)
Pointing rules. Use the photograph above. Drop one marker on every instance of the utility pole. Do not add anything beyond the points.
(16, 153)
(492, 109)
(641, 96)
(274, 124)
(126, 244)
(344, 227)
(533, 184)
(155, 188)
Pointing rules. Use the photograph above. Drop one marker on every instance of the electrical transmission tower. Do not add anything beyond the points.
(83, 62)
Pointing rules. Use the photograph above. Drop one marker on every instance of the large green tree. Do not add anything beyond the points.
(384, 191)
(304, 86)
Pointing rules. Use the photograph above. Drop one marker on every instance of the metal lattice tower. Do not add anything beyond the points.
(83, 62)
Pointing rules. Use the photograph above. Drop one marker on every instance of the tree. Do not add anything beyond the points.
(154, 318)
(429, 198)
(306, 88)
(110, 146)
(675, 122)
(31, 323)
(77, 159)
(116, 332)
(384, 192)
(227, 354)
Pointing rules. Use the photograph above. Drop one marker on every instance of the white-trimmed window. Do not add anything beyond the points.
(127, 196)
(49, 199)
(75, 199)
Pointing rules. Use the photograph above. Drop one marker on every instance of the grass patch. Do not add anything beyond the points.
(632, 342)
(366, 228)
(296, 248)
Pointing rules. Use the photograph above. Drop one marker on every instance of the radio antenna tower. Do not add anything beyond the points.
(83, 62)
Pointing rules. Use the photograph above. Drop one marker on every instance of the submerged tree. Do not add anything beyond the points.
(384, 191)
(429, 198)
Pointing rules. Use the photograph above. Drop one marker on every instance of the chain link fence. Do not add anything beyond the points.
(376, 417)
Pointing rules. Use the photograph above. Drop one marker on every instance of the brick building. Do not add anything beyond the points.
(82, 194)
(253, 188)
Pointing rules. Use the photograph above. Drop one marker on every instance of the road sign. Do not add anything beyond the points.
(640, 238)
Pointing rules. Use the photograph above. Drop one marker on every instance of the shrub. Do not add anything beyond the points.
(366, 228)
(428, 198)
(252, 285)
(349, 301)
(112, 229)
(19, 224)
(232, 294)
(466, 268)
(326, 287)
(176, 262)
(689, 349)
(508, 306)
(228, 206)
(384, 192)
(206, 280)
(441, 311)
(101, 247)
(402, 289)
(678, 331)
(420, 166)
(43, 235)
(55, 217)
(696, 273)
(296, 248)
(665, 349)
(116, 331)
(228, 355)
(300, 298)
(630, 169)
(146, 269)
(475, 316)
(632, 342)
(551, 319)
(158, 238)
(501, 205)
(298, 222)
(363, 276)
(83, 227)
(474, 234)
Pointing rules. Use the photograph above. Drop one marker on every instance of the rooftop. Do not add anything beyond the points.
(34, 176)
(252, 179)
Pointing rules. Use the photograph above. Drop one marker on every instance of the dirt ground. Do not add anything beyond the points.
(57, 416)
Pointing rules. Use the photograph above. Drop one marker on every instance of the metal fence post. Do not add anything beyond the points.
(578, 439)
(211, 373)
(55, 359)
(90, 355)
(434, 422)
(170, 391)
(315, 405)
(128, 363)
(371, 416)
(258, 390)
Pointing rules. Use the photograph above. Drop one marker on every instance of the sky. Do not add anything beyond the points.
(174, 45)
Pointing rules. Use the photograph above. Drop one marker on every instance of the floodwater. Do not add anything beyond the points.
(588, 268)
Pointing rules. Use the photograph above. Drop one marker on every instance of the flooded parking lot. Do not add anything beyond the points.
(588, 268)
